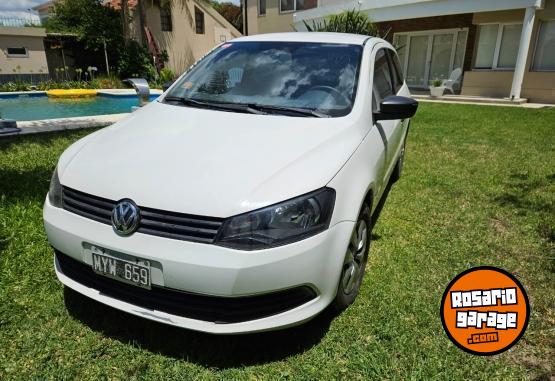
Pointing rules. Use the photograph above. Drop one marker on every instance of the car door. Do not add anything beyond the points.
(384, 84)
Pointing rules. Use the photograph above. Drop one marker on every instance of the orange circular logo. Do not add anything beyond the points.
(485, 310)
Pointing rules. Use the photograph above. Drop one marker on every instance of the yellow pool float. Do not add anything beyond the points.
(71, 93)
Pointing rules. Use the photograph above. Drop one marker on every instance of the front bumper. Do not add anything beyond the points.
(209, 269)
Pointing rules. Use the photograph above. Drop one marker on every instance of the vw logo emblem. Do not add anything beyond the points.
(125, 217)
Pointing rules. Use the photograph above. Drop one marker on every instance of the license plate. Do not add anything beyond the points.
(137, 274)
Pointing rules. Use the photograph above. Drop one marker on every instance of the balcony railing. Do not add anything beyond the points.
(19, 21)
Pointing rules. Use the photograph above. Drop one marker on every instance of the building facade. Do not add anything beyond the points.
(270, 16)
(44, 10)
(185, 29)
(22, 55)
(504, 48)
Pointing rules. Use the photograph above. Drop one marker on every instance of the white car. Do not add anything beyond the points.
(241, 199)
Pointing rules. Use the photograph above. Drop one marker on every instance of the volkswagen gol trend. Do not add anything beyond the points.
(241, 199)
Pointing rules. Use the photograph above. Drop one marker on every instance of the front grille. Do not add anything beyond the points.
(156, 222)
(200, 307)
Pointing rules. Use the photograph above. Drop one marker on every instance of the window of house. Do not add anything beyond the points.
(383, 86)
(166, 18)
(544, 56)
(17, 52)
(262, 7)
(199, 21)
(296, 5)
(497, 46)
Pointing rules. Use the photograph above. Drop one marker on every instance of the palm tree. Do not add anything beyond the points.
(353, 21)
(142, 20)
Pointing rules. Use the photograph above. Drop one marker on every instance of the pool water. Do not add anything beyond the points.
(24, 107)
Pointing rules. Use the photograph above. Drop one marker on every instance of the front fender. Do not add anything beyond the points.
(360, 174)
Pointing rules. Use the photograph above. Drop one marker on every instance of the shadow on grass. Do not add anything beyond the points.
(26, 185)
(29, 181)
(43, 138)
(215, 351)
(520, 193)
(379, 208)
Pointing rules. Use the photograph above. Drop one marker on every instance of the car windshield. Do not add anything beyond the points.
(289, 78)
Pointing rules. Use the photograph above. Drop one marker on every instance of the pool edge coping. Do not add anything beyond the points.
(65, 124)
(101, 92)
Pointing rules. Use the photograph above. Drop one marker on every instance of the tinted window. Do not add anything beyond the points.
(166, 18)
(199, 21)
(396, 69)
(382, 77)
(317, 76)
(17, 51)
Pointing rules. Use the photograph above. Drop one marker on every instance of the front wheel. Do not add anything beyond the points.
(354, 262)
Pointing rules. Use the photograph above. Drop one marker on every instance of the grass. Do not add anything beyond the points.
(478, 189)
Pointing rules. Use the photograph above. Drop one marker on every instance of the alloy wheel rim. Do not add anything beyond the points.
(354, 258)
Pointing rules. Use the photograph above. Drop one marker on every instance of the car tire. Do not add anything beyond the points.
(354, 262)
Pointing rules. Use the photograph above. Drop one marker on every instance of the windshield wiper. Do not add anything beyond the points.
(237, 107)
(252, 108)
(296, 110)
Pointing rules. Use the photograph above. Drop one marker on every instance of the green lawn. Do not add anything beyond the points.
(478, 189)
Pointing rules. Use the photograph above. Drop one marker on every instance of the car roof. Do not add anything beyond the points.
(320, 37)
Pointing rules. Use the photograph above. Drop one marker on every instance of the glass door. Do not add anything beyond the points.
(442, 56)
(430, 55)
(416, 61)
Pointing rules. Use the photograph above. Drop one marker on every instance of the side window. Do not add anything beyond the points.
(382, 79)
(396, 70)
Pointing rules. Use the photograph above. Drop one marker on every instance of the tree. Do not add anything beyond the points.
(90, 21)
(142, 20)
(230, 12)
(125, 20)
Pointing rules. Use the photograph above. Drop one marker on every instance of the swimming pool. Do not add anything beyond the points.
(39, 106)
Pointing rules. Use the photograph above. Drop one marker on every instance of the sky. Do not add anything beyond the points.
(18, 8)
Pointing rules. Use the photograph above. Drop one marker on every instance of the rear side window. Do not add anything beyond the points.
(383, 87)
(396, 70)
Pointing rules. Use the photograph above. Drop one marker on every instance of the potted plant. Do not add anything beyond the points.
(436, 88)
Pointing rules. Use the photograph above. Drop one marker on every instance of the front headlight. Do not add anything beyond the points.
(55, 191)
(282, 223)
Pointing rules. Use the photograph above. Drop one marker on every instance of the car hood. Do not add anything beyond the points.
(208, 162)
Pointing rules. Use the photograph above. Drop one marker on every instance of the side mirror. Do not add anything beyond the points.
(166, 85)
(396, 107)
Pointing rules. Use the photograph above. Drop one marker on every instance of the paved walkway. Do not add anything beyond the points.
(477, 100)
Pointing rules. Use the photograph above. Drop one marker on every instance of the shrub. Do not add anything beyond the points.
(166, 75)
(436, 82)
(135, 61)
(352, 21)
(97, 83)
(15, 86)
(106, 83)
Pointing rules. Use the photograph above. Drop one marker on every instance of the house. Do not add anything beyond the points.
(270, 16)
(44, 10)
(505, 48)
(22, 55)
(186, 29)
